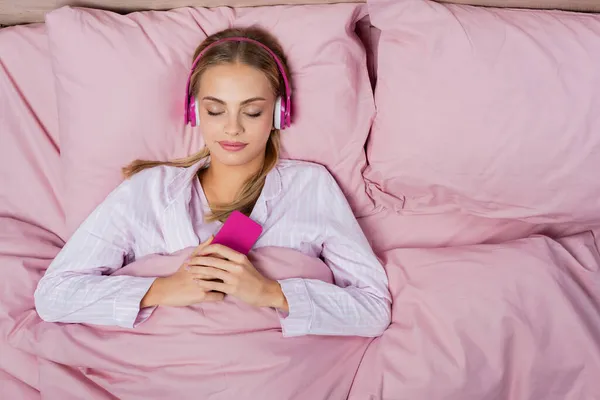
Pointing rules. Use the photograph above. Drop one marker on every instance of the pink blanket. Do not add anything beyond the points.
(223, 350)
(25, 252)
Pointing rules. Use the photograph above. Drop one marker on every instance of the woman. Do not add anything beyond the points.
(239, 94)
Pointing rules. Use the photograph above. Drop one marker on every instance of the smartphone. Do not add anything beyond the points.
(239, 233)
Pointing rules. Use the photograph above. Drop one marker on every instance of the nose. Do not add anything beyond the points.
(233, 127)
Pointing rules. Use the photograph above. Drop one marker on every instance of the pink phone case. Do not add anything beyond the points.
(239, 233)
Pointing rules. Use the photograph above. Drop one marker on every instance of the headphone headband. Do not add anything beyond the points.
(285, 112)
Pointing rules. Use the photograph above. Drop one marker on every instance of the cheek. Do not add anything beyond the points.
(260, 132)
(210, 125)
(210, 133)
(263, 124)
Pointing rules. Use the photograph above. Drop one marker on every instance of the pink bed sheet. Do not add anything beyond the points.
(519, 320)
(462, 325)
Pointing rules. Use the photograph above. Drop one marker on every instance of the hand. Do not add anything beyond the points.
(236, 277)
(180, 289)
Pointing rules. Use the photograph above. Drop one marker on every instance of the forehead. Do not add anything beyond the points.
(234, 82)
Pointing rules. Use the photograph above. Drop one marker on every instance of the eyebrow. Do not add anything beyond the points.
(250, 100)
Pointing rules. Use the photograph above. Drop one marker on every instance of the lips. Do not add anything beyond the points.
(232, 146)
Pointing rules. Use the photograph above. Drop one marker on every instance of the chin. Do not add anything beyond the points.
(232, 159)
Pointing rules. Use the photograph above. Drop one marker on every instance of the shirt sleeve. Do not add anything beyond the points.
(76, 288)
(359, 303)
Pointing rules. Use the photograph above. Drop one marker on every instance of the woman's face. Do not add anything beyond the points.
(236, 113)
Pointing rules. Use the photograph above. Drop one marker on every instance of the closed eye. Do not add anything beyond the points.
(214, 113)
(255, 115)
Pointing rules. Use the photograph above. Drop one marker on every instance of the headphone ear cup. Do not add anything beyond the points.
(277, 112)
(287, 115)
(191, 111)
(194, 112)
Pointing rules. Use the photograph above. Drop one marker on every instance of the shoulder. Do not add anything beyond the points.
(302, 178)
(155, 177)
(155, 185)
(303, 172)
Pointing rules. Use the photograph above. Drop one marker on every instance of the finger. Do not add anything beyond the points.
(211, 297)
(202, 261)
(224, 252)
(213, 286)
(202, 245)
(209, 273)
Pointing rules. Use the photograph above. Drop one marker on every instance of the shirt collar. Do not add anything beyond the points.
(184, 179)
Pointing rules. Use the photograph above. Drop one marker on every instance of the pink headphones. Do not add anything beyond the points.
(282, 116)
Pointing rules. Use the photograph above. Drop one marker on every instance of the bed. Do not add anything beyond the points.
(468, 146)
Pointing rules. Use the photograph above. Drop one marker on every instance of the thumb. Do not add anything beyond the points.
(202, 245)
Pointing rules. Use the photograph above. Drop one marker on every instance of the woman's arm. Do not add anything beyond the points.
(359, 304)
(75, 287)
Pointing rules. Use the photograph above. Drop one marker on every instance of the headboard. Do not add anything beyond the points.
(25, 11)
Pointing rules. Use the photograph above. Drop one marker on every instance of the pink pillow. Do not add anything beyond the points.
(495, 112)
(369, 36)
(121, 85)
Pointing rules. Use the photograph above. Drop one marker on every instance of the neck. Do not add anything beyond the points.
(222, 183)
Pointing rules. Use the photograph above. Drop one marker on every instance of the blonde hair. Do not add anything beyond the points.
(230, 53)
